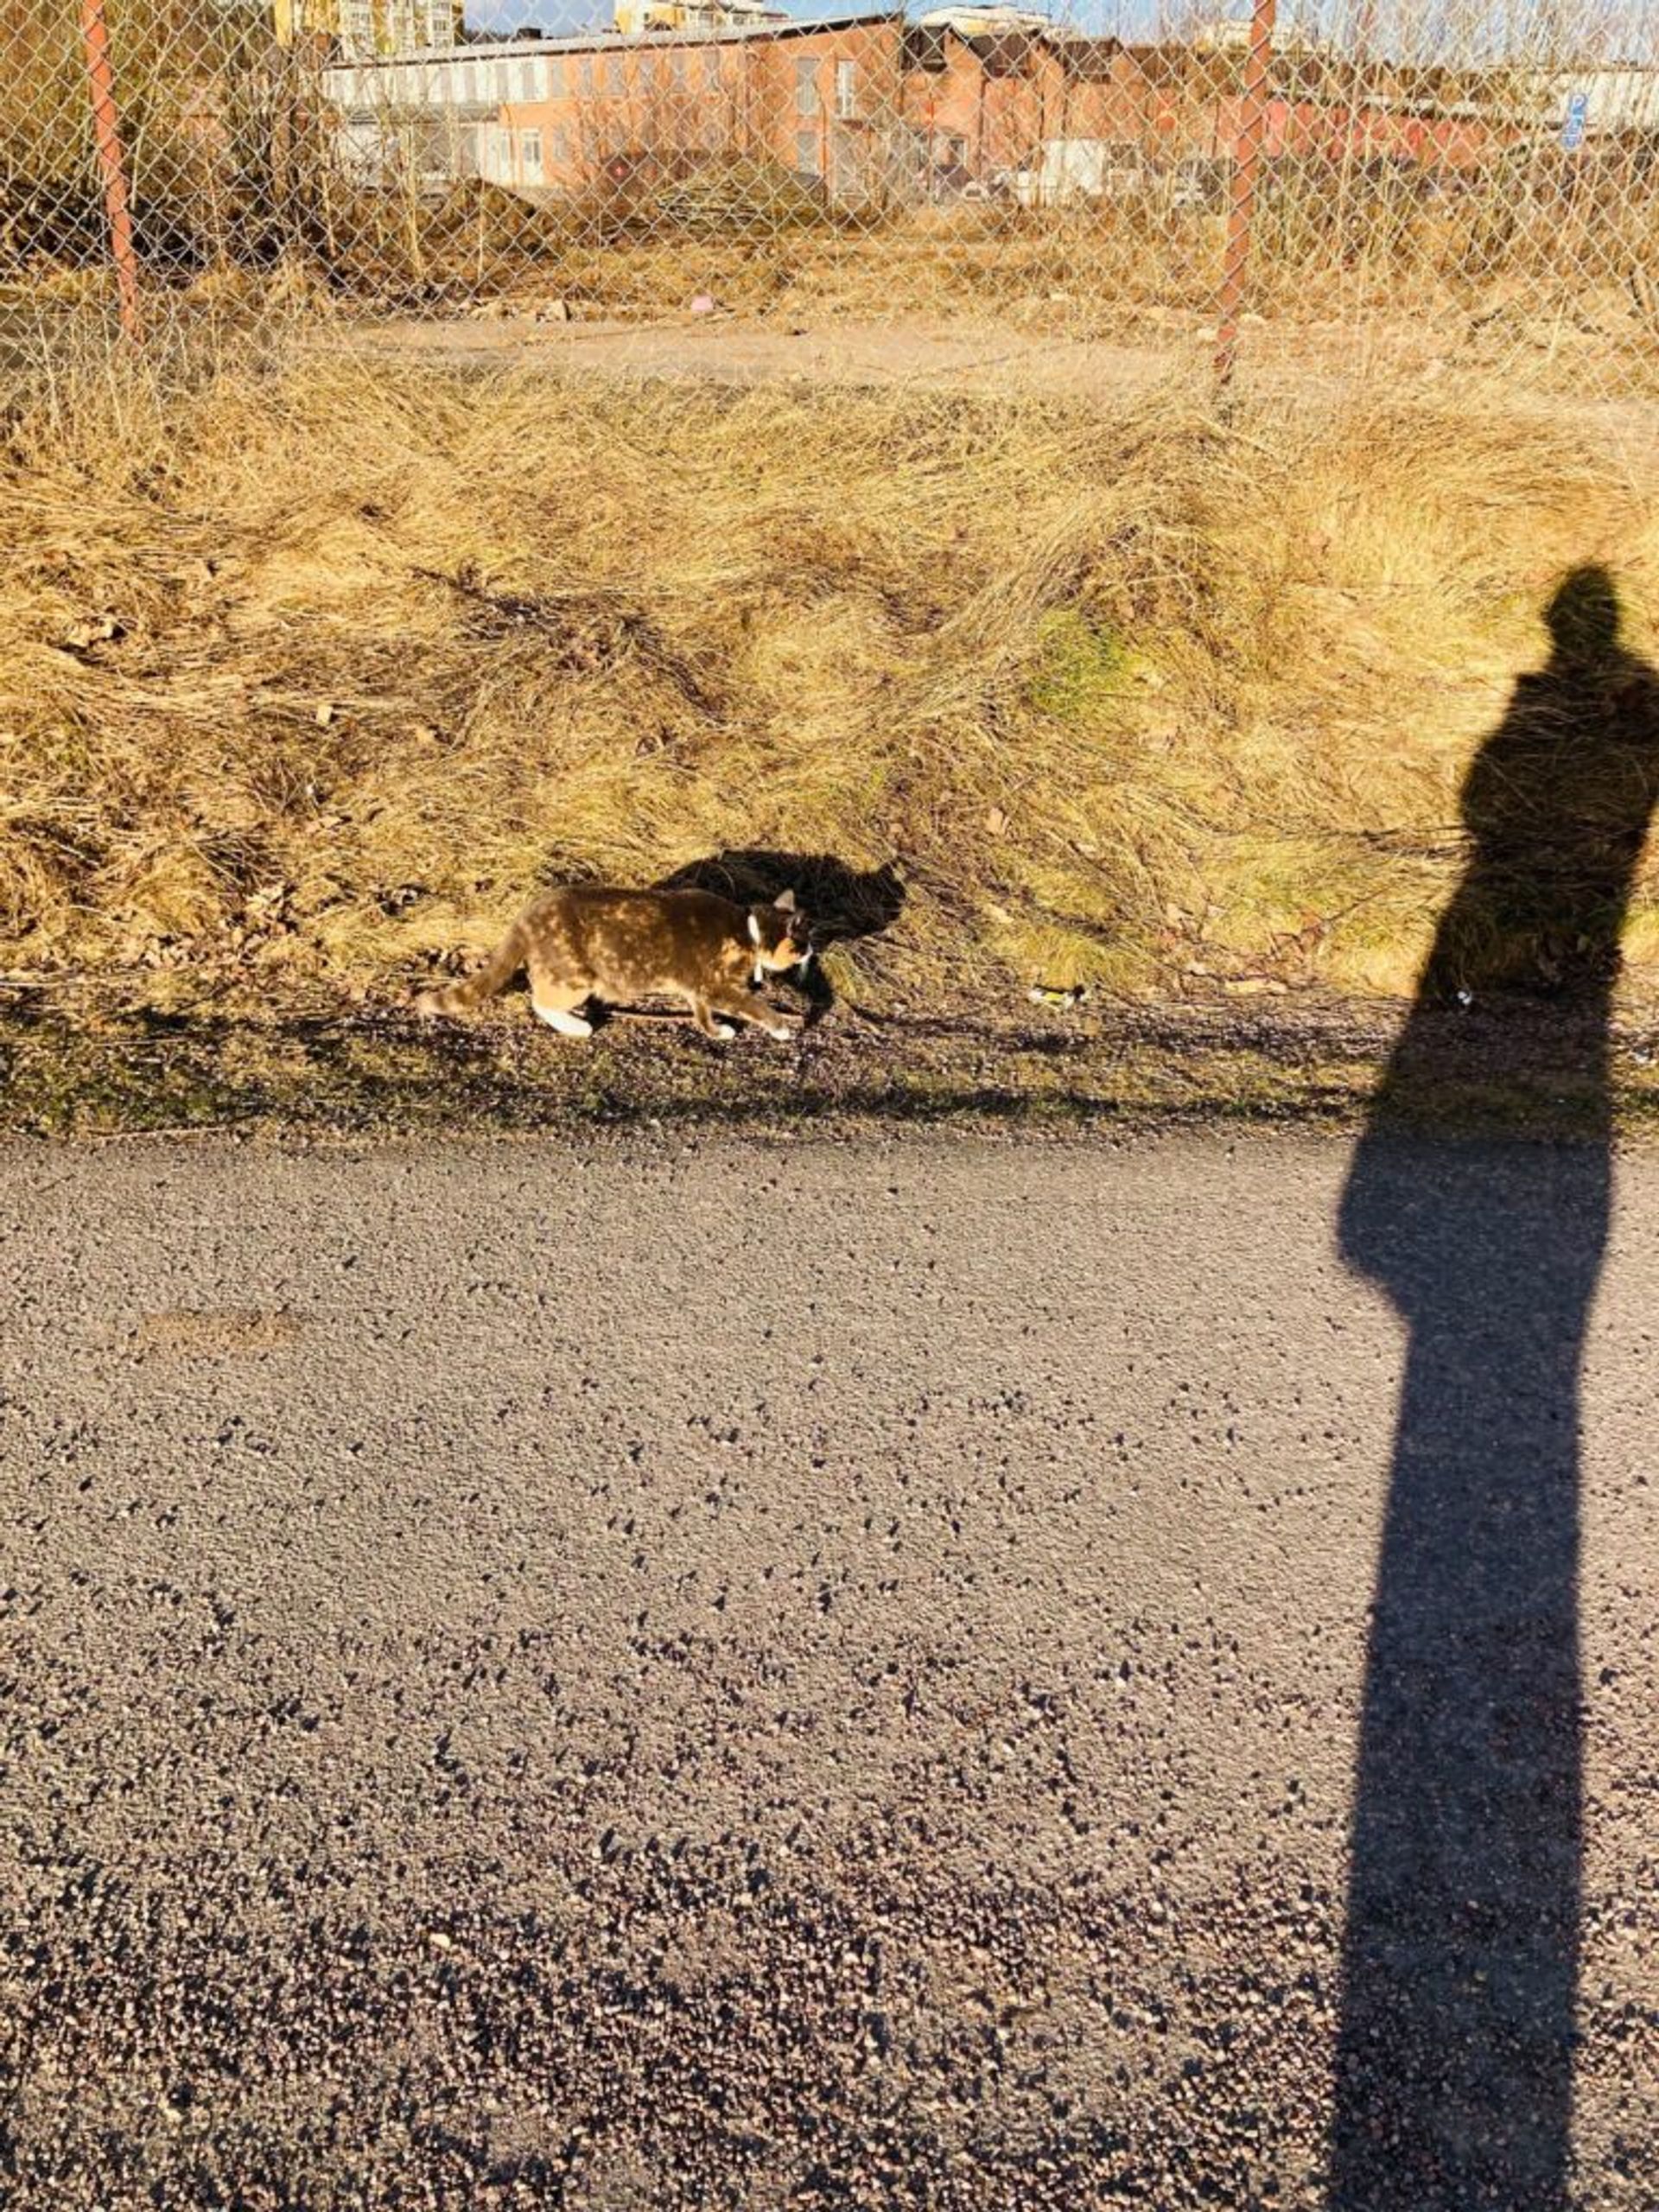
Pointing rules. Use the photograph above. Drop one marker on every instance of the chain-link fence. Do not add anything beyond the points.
(1408, 187)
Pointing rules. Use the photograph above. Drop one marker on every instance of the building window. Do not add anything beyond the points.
(561, 146)
(356, 27)
(846, 91)
(806, 85)
(711, 66)
(679, 68)
(503, 84)
(586, 76)
(807, 152)
(616, 83)
(556, 78)
(530, 157)
(529, 72)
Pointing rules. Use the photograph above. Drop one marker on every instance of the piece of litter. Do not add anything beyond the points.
(1050, 995)
(703, 303)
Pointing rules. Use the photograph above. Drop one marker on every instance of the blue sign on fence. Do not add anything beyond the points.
(1578, 115)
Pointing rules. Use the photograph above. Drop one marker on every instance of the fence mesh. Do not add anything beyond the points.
(1400, 187)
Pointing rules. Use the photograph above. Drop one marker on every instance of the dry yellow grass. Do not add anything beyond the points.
(307, 678)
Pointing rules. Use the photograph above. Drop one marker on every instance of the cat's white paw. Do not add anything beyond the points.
(780, 1032)
(725, 1031)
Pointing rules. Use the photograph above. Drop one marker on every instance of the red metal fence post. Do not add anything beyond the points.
(106, 133)
(1241, 216)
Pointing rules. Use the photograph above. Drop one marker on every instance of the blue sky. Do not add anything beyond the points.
(1472, 29)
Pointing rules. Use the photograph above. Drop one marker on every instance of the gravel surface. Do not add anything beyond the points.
(691, 1671)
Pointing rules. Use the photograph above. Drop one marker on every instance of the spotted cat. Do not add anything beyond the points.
(590, 943)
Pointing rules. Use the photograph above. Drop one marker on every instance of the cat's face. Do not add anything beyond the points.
(781, 936)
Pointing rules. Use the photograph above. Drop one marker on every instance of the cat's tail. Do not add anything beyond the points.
(484, 982)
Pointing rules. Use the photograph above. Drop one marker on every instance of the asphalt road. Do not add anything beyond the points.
(834, 1673)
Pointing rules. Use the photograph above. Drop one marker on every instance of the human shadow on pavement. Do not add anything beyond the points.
(1455, 2051)
(840, 901)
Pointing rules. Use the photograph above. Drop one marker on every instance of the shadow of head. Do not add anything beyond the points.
(840, 901)
(1583, 619)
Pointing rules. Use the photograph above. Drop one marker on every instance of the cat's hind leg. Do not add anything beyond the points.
(556, 1002)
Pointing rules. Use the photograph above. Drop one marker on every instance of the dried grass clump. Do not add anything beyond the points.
(307, 679)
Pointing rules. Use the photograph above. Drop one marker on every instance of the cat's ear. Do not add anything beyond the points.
(785, 902)
(754, 927)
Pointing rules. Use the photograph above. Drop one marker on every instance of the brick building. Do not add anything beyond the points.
(984, 102)
(866, 103)
(818, 99)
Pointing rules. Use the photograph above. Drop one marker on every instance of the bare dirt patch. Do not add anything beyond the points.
(185, 1332)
